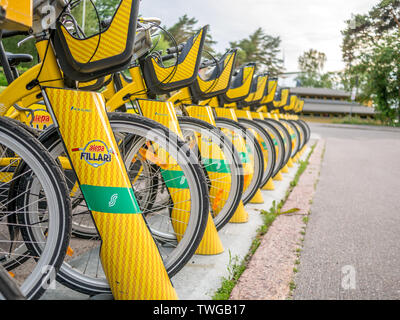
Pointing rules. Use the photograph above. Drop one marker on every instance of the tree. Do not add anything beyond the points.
(91, 20)
(262, 49)
(379, 70)
(369, 51)
(106, 8)
(185, 28)
(311, 64)
(312, 61)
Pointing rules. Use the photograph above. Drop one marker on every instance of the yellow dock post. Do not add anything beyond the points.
(269, 186)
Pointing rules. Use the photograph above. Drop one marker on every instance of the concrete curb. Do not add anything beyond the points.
(270, 270)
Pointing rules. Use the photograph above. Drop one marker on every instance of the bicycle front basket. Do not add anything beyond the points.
(160, 79)
(219, 80)
(257, 90)
(241, 84)
(103, 53)
(270, 90)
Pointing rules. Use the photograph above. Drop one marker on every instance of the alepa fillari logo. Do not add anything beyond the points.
(95, 153)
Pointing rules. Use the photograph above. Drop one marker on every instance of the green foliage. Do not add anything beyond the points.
(3, 80)
(381, 75)
(356, 120)
(91, 20)
(311, 64)
(235, 270)
(185, 28)
(106, 8)
(371, 51)
(10, 45)
(161, 43)
(312, 61)
(262, 49)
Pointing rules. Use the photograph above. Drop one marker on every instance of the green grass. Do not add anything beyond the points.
(235, 267)
(235, 270)
(359, 121)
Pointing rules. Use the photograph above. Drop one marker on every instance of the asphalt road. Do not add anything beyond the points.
(352, 242)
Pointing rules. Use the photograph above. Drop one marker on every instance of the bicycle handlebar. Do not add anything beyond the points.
(206, 63)
(12, 33)
(176, 49)
(168, 57)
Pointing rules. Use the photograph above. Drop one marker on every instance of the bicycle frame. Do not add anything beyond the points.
(80, 117)
(210, 244)
(137, 90)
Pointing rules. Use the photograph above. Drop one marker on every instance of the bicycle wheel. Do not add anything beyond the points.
(221, 164)
(307, 128)
(287, 140)
(35, 211)
(9, 290)
(294, 135)
(278, 143)
(136, 136)
(302, 133)
(252, 157)
(267, 146)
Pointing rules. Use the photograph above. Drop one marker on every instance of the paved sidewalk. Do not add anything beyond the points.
(352, 242)
(270, 270)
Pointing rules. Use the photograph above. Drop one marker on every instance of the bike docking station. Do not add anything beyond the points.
(109, 195)
(165, 114)
(241, 215)
(139, 200)
(203, 275)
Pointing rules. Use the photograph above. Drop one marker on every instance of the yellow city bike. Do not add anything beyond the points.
(294, 127)
(155, 194)
(150, 77)
(290, 111)
(98, 151)
(219, 158)
(246, 116)
(33, 194)
(283, 110)
(271, 120)
(259, 93)
(204, 92)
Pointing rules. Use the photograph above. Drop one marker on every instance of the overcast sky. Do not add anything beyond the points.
(301, 24)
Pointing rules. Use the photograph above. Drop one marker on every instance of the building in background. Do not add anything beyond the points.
(326, 104)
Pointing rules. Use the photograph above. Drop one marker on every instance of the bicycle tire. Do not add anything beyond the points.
(266, 144)
(278, 142)
(233, 160)
(34, 159)
(258, 165)
(286, 138)
(92, 286)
